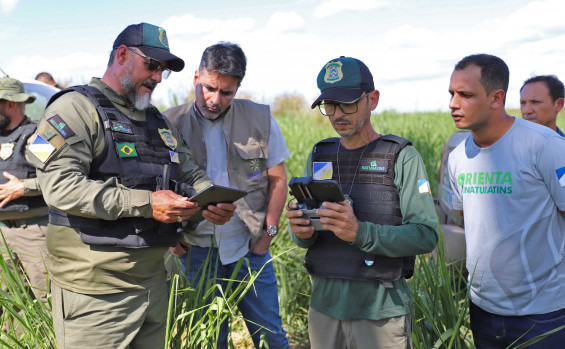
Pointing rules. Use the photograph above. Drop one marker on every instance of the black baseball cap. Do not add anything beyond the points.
(343, 79)
(152, 41)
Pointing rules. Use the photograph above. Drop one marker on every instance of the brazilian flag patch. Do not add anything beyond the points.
(126, 150)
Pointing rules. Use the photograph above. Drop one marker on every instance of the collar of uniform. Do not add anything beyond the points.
(109, 92)
(25, 121)
(118, 100)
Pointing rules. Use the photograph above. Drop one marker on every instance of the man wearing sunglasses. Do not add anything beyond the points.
(359, 262)
(105, 159)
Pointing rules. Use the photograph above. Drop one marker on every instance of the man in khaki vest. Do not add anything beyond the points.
(240, 145)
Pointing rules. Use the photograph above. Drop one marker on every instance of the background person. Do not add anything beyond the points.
(101, 166)
(541, 99)
(47, 78)
(240, 145)
(355, 302)
(507, 177)
(23, 212)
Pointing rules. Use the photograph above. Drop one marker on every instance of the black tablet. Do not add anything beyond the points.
(215, 194)
(313, 192)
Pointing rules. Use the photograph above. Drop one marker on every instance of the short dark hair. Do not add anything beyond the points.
(224, 58)
(555, 87)
(112, 56)
(44, 76)
(494, 72)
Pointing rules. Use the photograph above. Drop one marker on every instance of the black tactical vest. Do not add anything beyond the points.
(367, 175)
(12, 159)
(144, 171)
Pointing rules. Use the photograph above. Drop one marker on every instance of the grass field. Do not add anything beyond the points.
(440, 318)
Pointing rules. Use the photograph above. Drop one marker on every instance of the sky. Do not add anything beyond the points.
(410, 46)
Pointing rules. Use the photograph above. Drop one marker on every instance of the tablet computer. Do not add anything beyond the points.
(215, 194)
(313, 192)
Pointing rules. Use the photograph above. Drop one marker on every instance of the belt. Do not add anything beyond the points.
(16, 223)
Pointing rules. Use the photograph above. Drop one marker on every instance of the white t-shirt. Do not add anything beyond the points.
(511, 194)
(232, 238)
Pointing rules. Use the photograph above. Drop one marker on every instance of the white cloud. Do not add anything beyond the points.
(285, 21)
(189, 24)
(75, 68)
(330, 7)
(7, 6)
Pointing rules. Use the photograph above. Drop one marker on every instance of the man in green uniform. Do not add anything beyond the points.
(361, 258)
(105, 157)
(23, 213)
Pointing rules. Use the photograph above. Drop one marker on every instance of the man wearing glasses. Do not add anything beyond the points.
(359, 262)
(105, 158)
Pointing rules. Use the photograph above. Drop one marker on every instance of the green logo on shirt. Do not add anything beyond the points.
(485, 182)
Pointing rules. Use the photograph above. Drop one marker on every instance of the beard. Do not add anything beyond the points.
(4, 121)
(129, 87)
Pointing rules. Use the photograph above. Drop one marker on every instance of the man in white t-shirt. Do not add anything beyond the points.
(509, 180)
(241, 146)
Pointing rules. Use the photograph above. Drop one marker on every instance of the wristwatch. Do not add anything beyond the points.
(272, 230)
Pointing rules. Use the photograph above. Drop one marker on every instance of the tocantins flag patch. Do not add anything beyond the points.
(560, 172)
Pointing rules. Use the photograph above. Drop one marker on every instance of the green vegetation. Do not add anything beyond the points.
(440, 315)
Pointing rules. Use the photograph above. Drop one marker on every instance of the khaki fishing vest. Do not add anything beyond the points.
(246, 128)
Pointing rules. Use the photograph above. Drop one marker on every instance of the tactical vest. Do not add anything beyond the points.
(144, 171)
(12, 160)
(246, 127)
(367, 175)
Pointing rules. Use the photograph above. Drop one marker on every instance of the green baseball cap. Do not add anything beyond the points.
(343, 79)
(13, 90)
(152, 41)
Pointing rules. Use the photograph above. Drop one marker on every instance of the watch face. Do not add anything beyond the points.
(272, 230)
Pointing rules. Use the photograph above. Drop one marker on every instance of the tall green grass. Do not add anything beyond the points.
(25, 320)
(440, 313)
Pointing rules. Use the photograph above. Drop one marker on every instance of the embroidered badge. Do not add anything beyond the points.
(47, 135)
(126, 150)
(41, 148)
(6, 150)
(424, 186)
(333, 72)
(322, 170)
(367, 165)
(163, 37)
(560, 172)
(122, 127)
(174, 156)
(167, 137)
(60, 126)
(254, 165)
(255, 170)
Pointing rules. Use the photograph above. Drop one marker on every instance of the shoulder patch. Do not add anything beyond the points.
(60, 126)
(41, 148)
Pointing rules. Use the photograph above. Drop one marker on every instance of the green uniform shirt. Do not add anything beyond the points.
(352, 299)
(64, 181)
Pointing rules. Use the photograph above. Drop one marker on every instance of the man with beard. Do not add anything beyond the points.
(359, 262)
(241, 145)
(23, 213)
(105, 158)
